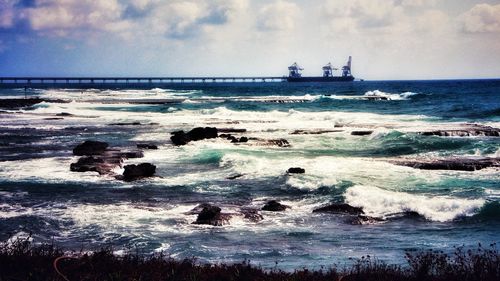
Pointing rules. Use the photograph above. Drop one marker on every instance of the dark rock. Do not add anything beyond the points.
(64, 114)
(131, 154)
(231, 130)
(339, 208)
(196, 210)
(279, 142)
(361, 133)
(252, 215)
(212, 215)
(457, 164)
(53, 118)
(314, 132)
(376, 98)
(362, 219)
(236, 140)
(274, 206)
(19, 103)
(134, 172)
(224, 136)
(126, 124)
(466, 130)
(234, 177)
(296, 170)
(86, 164)
(243, 139)
(147, 146)
(90, 148)
(199, 133)
(179, 138)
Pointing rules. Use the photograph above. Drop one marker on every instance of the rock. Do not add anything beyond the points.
(64, 114)
(86, 164)
(314, 132)
(212, 215)
(199, 133)
(361, 133)
(279, 142)
(252, 215)
(296, 170)
(376, 98)
(457, 163)
(179, 138)
(126, 124)
(236, 140)
(19, 103)
(274, 206)
(90, 148)
(231, 130)
(234, 177)
(465, 130)
(342, 208)
(134, 172)
(362, 219)
(147, 146)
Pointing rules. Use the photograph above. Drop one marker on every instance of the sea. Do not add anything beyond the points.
(416, 209)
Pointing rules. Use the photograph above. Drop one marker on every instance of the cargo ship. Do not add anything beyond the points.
(294, 74)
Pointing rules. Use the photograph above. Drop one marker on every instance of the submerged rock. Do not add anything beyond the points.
(233, 177)
(362, 219)
(90, 148)
(274, 206)
(212, 215)
(198, 133)
(314, 132)
(342, 208)
(252, 215)
(457, 163)
(88, 164)
(296, 170)
(135, 172)
(279, 142)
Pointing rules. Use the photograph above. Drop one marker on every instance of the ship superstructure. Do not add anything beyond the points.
(295, 75)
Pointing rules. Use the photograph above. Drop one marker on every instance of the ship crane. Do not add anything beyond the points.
(294, 70)
(328, 70)
(346, 69)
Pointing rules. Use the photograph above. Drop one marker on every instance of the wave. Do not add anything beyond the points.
(375, 95)
(382, 203)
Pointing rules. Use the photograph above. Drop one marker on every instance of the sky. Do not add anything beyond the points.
(388, 39)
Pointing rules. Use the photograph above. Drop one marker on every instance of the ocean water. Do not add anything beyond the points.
(41, 197)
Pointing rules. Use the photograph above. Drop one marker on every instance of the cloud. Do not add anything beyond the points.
(278, 16)
(482, 18)
(7, 13)
(418, 3)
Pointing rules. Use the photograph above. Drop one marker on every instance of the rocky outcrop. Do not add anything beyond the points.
(456, 163)
(274, 206)
(90, 148)
(97, 157)
(140, 171)
(296, 170)
(340, 208)
(465, 130)
(196, 134)
(20, 103)
(212, 215)
(233, 177)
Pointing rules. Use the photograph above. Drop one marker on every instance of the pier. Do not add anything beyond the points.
(134, 80)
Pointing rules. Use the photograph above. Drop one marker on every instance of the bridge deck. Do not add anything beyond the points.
(135, 80)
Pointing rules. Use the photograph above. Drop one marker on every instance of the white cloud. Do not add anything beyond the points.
(418, 3)
(482, 18)
(278, 16)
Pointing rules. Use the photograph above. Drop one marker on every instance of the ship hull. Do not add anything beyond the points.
(321, 79)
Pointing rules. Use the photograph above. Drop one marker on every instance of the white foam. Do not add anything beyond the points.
(379, 202)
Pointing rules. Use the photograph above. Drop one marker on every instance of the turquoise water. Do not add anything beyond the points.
(39, 195)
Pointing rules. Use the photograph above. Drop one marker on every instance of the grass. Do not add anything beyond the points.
(21, 260)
